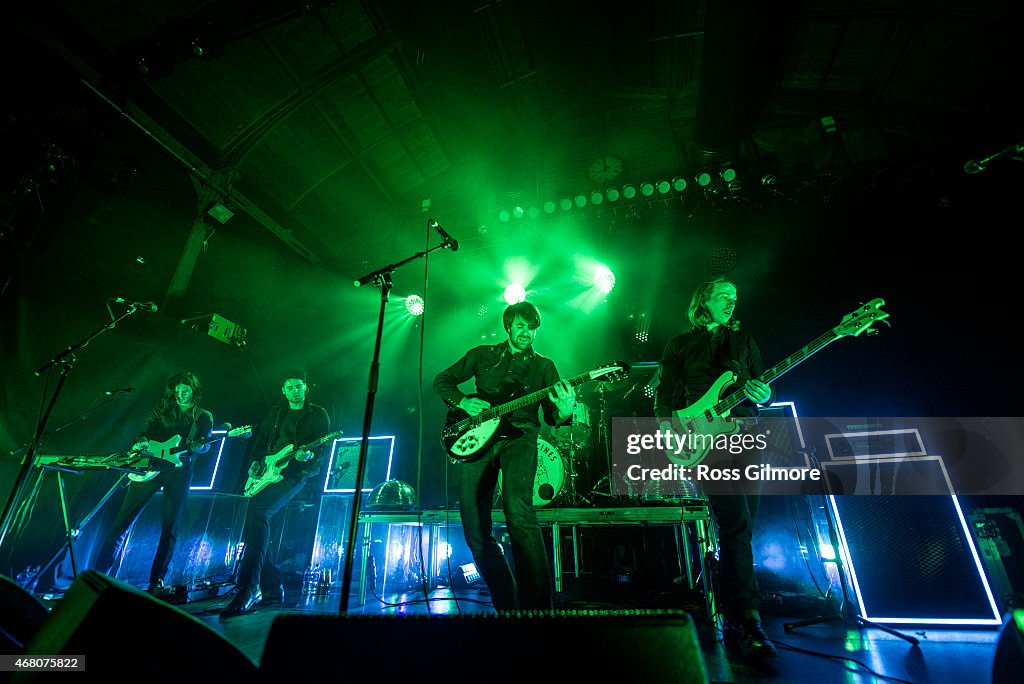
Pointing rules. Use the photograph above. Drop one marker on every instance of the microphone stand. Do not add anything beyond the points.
(66, 359)
(382, 279)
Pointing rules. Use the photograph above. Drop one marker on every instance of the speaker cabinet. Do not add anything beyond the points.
(21, 616)
(613, 645)
(123, 632)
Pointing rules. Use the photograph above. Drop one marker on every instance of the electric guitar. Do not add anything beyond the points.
(707, 417)
(464, 437)
(270, 469)
(171, 450)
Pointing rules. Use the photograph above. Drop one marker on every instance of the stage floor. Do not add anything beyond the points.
(808, 654)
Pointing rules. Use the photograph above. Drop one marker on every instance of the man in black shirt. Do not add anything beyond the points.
(690, 364)
(511, 365)
(178, 414)
(291, 422)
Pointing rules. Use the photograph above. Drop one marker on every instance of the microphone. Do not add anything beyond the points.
(123, 390)
(145, 306)
(452, 243)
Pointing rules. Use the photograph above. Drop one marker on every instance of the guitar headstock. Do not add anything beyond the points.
(616, 370)
(239, 431)
(862, 319)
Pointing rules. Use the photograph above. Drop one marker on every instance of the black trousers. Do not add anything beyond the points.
(737, 585)
(256, 532)
(176, 485)
(516, 460)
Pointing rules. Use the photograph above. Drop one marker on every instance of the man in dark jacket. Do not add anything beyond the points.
(510, 365)
(292, 422)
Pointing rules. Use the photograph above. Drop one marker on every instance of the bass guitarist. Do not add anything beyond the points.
(179, 414)
(690, 364)
(293, 421)
(509, 368)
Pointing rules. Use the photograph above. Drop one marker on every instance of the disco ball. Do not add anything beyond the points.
(392, 495)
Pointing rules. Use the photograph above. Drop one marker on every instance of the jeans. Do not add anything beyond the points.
(176, 485)
(516, 460)
(256, 532)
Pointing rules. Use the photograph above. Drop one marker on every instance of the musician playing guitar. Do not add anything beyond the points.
(179, 414)
(510, 367)
(293, 421)
(690, 364)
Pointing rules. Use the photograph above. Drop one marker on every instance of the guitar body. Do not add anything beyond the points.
(165, 451)
(466, 438)
(274, 466)
(702, 418)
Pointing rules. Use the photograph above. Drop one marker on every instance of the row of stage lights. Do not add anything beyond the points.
(604, 282)
(629, 191)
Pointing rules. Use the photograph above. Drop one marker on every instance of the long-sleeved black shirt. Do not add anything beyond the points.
(693, 360)
(494, 365)
(283, 426)
(161, 426)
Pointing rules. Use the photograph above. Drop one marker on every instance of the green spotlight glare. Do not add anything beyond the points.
(565, 203)
(518, 212)
(581, 201)
(679, 184)
(504, 216)
(703, 179)
(549, 207)
(596, 197)
(628, 191)
(663, 187)
(647, 189)
(604, 280)
(728, 175)
(613, 194)
(515, 293)
(414, 305)
(533, 212)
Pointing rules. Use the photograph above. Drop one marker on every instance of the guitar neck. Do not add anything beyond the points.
(526, 400)
(778, 370)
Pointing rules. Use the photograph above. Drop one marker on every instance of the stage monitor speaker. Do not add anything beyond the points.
(21, 616)
(605, 646)
(124, 632)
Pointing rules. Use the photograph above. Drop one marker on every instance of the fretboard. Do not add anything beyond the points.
(778, 370)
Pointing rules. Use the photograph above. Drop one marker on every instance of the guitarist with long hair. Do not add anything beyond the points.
(179, 413)
(690, 364)
(508, 368)
(292, 422)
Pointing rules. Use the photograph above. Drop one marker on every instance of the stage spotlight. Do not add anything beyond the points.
(647, 189)
(604, 279)
(515, 293)
(728, 174)
(581, 201)
(628, 191)
(414, 305)
(504, 216)
(596, 197)
(703, 179)
(565, 203)
(663, 187)
(769, 180)
(533, 212)
(679, 184)
(613, 194)
(518, 212)
(549, 207)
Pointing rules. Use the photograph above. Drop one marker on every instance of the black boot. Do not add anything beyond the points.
(247, 599)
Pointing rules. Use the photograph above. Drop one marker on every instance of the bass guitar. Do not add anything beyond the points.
(170, 451)
(464, 437)
(703, 421)
(270, 469)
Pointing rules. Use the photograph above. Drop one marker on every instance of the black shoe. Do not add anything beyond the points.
(247, 599)
(756, 645)
(273, 596)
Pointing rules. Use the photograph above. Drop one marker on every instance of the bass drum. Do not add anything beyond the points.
(550, 478)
